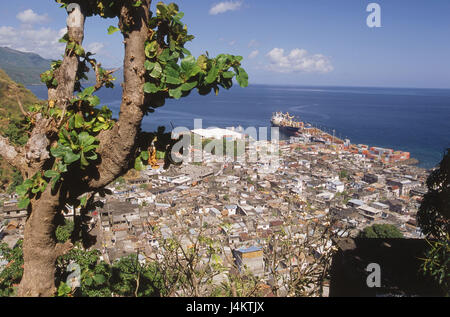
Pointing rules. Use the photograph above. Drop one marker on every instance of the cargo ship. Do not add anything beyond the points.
(287, 124)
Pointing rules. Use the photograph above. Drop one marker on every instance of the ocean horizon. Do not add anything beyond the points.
(416, 120)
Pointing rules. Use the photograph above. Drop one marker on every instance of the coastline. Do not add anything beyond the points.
(359, 116)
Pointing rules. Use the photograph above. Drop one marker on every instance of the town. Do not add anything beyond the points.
(308, 184)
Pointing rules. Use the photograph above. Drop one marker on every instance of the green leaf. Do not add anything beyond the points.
(102, 126)
(64, 289)
(89, 148)
(71, 157)
(86, 92)
(35, 190)
(189, 66)
(189, 86)
(83, 201)
(145, 155)
(161, 9)
(173, 80)
(79, 50)
(165, 55)
(228, 75)
(59, 151)
(212, 75)
(86, 139)
(22, 190)
(83, 161)
(157, 71)
(99, 279)
(92, 156)
(23, 203)
(112, 29)
(138, 165)
(79, 121)
(149, 65)
(176, 93)
(242, 77)
(150, 88)
(88, 281)
(150, 49)
(185, 51)
(55, 180)
(94, 100)
(51, 174)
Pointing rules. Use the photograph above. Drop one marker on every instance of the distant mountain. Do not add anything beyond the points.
(24, 68)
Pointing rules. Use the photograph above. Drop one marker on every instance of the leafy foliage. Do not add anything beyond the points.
(434, 219)
(381, 231)
(433, 215)
(437, 263)
(64, 232)
(172, 72)
(11, 274)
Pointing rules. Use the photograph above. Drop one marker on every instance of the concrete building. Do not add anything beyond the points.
(251, 259)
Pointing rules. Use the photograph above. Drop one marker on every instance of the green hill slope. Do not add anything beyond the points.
(10, 117)
(24, 68)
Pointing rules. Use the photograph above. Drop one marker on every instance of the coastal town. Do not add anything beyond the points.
(243, 203)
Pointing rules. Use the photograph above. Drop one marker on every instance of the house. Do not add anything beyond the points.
(370, 178)
(214, 212)
(395, 205)
(336, 186)
(231, 209)
(355, 203)
(370, 212)
(11, 210)
(250, 258)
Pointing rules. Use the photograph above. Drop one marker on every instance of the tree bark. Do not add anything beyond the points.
(40, 249)
(117, 145)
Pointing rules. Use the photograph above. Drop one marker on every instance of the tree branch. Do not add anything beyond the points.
(26, 114)
(37, 147)
(117, 145)
(11, 154)
(66, 73)
(63, 248)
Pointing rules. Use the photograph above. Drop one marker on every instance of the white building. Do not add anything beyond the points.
(218, 134)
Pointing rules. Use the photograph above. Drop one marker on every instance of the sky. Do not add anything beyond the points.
(283, 42)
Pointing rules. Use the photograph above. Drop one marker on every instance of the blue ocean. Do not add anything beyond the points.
(413, 120)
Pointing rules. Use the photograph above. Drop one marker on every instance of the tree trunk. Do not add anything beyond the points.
(40, 249)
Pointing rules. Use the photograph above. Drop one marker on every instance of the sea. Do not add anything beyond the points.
(406, 119)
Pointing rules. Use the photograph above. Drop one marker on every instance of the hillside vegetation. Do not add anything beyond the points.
(10, 120)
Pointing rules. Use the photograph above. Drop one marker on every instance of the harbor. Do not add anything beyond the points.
(300, 131)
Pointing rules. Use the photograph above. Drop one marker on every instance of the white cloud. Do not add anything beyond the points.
(30, 17)
(298, 60)
(43, 41)
(225, 6)
(231, 43)
(95, 47)
(253, 54)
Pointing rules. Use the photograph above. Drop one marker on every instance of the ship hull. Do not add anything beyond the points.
(289, 131)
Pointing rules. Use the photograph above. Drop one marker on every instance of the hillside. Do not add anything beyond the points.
(24, 68)
(9, 112)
